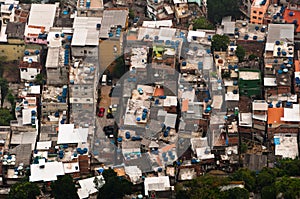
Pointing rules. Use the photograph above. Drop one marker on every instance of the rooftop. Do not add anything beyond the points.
(249, 75)
(275, 115)
(161, 183)
(292, 16)
(88, 186)
(42, 15)
(281, 32)
(82, 73)
(15, 30)
(85, 31)
(292, 114)
(45, 171)
(157, 24)
(93, 4)
(113, 18)
(286, 145)
(68, 134)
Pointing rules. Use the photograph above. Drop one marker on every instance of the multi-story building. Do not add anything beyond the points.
(258, 11)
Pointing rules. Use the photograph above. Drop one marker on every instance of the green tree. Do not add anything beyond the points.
(114, 187)
(4, 89)
(220, 42)
(268, 192)
(131, 14)
(64, 188)
(5, 117)
(265, 177)
(289, 167)
(235, 193)
(252, 57)
(11, 98)
(244, 147)
(217, 9)
(23, 190)
(202, 23)
(202, 187)
(240, 53)
(39, 79)
(247, 176)
(289, 187)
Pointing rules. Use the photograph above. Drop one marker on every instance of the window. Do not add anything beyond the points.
(260, 13)
(254, 17)
(84, 51)
(254, 12)
(88, 100)
(32, 76)
(76, 87)
(34, 39)
(259, 18)
(85, 87)
(2, 51)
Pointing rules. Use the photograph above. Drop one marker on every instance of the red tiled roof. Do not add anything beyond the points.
(275, 115)
(185, 105)
(290, 19)
(159, 92)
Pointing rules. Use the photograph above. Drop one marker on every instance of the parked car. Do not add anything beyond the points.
(101, 112)
(107, 128)
(109, 80)
(109, 116)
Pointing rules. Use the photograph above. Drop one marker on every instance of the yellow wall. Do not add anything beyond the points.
(12, 52)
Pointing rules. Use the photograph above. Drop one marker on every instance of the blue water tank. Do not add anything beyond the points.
(69, 38)
(62, 35)
(64, 91)
(166, 133)
(184, 63)
(254, 37)
(11, 6)
(37, 52)
(119, 139)
(127, 135)
(56, 114)
(270, 105)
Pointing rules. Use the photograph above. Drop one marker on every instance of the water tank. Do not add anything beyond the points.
(98, 26)
(127, 135)
(37, 52)
(11, 6)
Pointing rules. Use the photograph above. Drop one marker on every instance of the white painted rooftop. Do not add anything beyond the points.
(42, 15)
(49, 173)
(68, 134)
